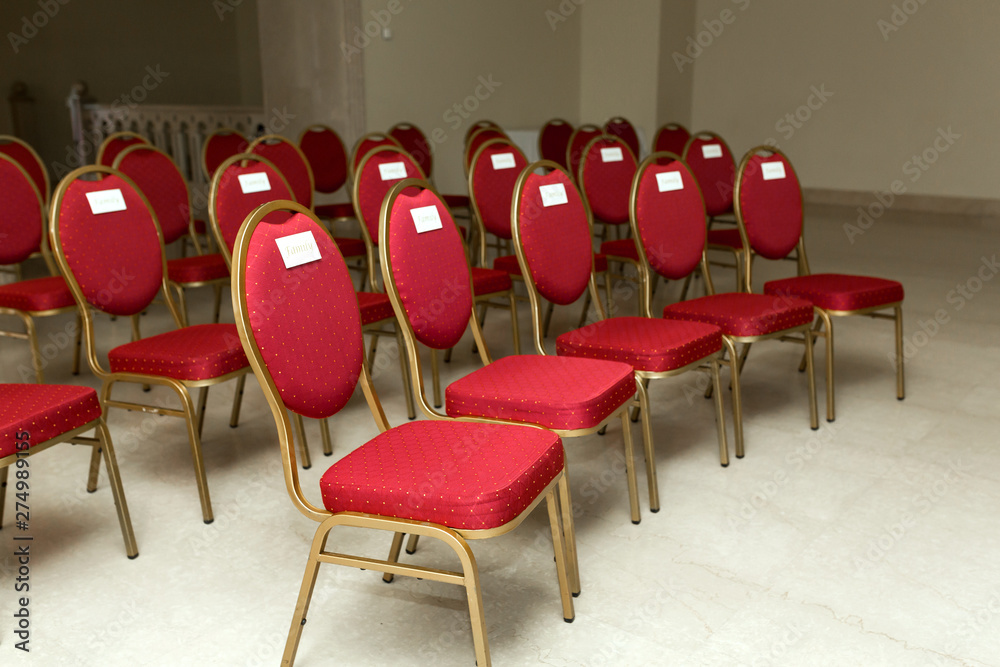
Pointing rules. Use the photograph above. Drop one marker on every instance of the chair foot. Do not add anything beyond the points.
(208, 521)
(133, 557)
(576, 595)
(569, 620)
(636, 523)
(654, 511)
(829, 421)
(901, 398)
(739, 456)
(726, 465)
(604, 429)
(815, 428)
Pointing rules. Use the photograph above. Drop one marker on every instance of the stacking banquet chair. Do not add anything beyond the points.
(454, 480)
(553, 139)
(36, 417)
(427, 276)
(221, 144)
(414, 142)
(110, 249)
(553, 242)
(623, 129)
(671, 138)
(30, 161)
(327, 158)
(581, 136)
(668, 221)
(114, 144)
(22, 228)
(366, 144)
(769, 212)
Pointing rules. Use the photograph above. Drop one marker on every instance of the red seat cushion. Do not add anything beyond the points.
(340, 210)
(456, 201)
(351, 247)
(374, 307)
(725, 237)
(621, 248)
(36, 295)
(600, 262)
(44, 411)
(555, 392)
(835, 291)
(508, 264)
(198, 352)
(457, 474)
(740, 314)
(643, 343)
(197, 269)
(488, 281)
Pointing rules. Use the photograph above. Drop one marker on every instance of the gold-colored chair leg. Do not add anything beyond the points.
(115, 482)
(734, 382)
(900, 379)
(436, 378)
(404, 368)
(559, 549)
(182, 302)
(647, 443)
(569, 531)
(324, 433)
(218, 302)
(515, 329)
(194, 439)
(372, 349)
(300, 435)
(720, 416)
(234, 417)
(202, 402)
(305, 593)
(481, 316)
(816, 329)
(828, 323)
(447, 354)
(583, 312)
(607, 289)
(77, 344)
(633, 492)
(636, 410)
(548, 316)
(36, 355)
(95, 468)
(811, 372)
(411, 544)
(394, 549)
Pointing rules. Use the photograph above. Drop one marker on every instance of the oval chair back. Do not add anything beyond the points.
(769, 204)
(709, 157)
(605, 176)
(414, 142)
(290, 161)
(163, 185)
(114, 144)
(671, 138)
(366, 144)
(327, 157)
(30, 161)
(623, 128)
(495, 168)
(553, 139)
(220, 145)
(581, 136)
(22, 219)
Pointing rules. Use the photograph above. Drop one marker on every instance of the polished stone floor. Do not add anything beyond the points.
(873, 541)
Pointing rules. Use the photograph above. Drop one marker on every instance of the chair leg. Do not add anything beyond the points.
(687, 284)
(394, 548)
(436, 378)
(811, 372)
(828, 323)
(115, 482)
(636, 410)
(647, 443)
(95, 468)
(583, 313)
(3, 491)
(720, 416)
(481, 316)
(559, 548)
(734, 382)
(411, 544)
(218, 302)
(404, 367)
(305, 593)
(548, 315)
(372, 349)
(324, 432)
(900, 379)
(515, 329)
(570, 532)
(194, 439)
(633, 493)
(816, 329)
(77, 344)
(36, 355)
(202, 402)
(234, 416)
(300, 435)
(607, 289)
(182, 301)
(447, 354)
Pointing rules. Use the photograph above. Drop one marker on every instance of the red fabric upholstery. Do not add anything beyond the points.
(165, 188)
(457, 201)
(200, 226)
(607, 185)
(430, 272)
(116, 257)
(553, 140)
(555, 392)
(350, 247)
(374, 307)
(621, 248)
(479, 138)
(415, 143)
(220, 146)
(671, 223)
(771, 210)
(493, 189)
(367, 144)
(29, 162)
(197, 269)
(232, 205)
(835, 291)
(111, 149)
(36, 295)
(489, 281)
(741, 314)
(716, 175)
(304, 320)
(327, 157)
(600, 262)
(509, 264)
(643, 343)
(624, 130)
(457, 474)
(333, 211)
(20, 213)
(293, 166)
(45, 411)
(577, 142)
(197, 352)
(672, 139)
(725, 237)
(372, 189)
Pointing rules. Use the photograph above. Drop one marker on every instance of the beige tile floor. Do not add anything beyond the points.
(873, 541)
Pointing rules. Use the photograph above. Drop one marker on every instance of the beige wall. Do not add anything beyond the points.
(675, 82)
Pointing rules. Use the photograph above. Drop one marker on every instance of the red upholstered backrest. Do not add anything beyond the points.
(326, 155)
(492, 187)
(670, 217)
(607, 169)
(478, 138)
(623, 129)
(231, 206)
(671, 138)
(556, 238)
(112, 146)
(713, 165)
(370, 142)
(372, 187)
(415, 143)
(770, 205)
(159, 179)
(478, 125)
(577, 142)
(21, 221)
(304, 320)
(284, 155)
(29, 161)
(429, 270)
(115, 257)
(220, 146)
(553, 139)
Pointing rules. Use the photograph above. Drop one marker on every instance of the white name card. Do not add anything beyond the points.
(503, 161)
(772, 171)
(392, 171)
(106, 201)
(298, 249)
(257, 182)
(426, 219)
(553, 195)
(613, 154)
(668, 181)
(709, 151)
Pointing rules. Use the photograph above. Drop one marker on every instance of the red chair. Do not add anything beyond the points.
(414, 142)
(477, 139)
(554, 250)
(36, 417)
(366, 144)
(769, 211)
(427, 276)
(623, 129)
(220, 145)
(450, 480)
(671, 138)
(110, 249)
(581, 136)
(114, 144)
(327, 159)
(668, 221)
(479, 125)
(553, 139)
(30, 161)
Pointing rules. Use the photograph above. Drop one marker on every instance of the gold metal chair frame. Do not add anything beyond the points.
(468, 153)
(204, 148)
(9, 138)
(556, 494)
(125, 134)
(479, 125)
(370, 136)
(194, 418)
(824, 322)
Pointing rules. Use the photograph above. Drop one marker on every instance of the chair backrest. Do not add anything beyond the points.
(162, 183)
(241, 183)
(623, 128)
(366, 144)
(495, 168)
(219, 146)
(477, 139)
(30, 161)
(290, 161)
(414, 142)
(552, 237)
(378, 172)
(22, 220)
(769, 202)
(581, 136)
(605, 177)
(114, 144)
(553, 139)
(478, 125)
(713, 165)
(327, 157)
(671, 138)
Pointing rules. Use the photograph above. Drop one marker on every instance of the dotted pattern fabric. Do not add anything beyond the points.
(28, 162)
(740, 314)
(232, 205)
(305, 320)
(643, 343)
(493, 189)
(36, 295)
(621, 248)
(45, 411)
(292, 166)
(221, 147)
(716, 176)
(164, 187)
(726, 237)
(197, 352)
(672, 223)
(577, 142)
(328, 159)
(375, 307)
(457, 474)
(489, 281)
(771, 210)
(507, 264)
(197, 269)
(671, 140)
(372, 189)
(836, 291)
(116, 146)
(554, 392)
(624, 130)
(20, 215)
(553, 142)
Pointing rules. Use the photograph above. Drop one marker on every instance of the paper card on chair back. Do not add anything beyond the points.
(256, 182)
(106, 201)
(392, 171)
(298, 249)
(426, 219)
(553, 195)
